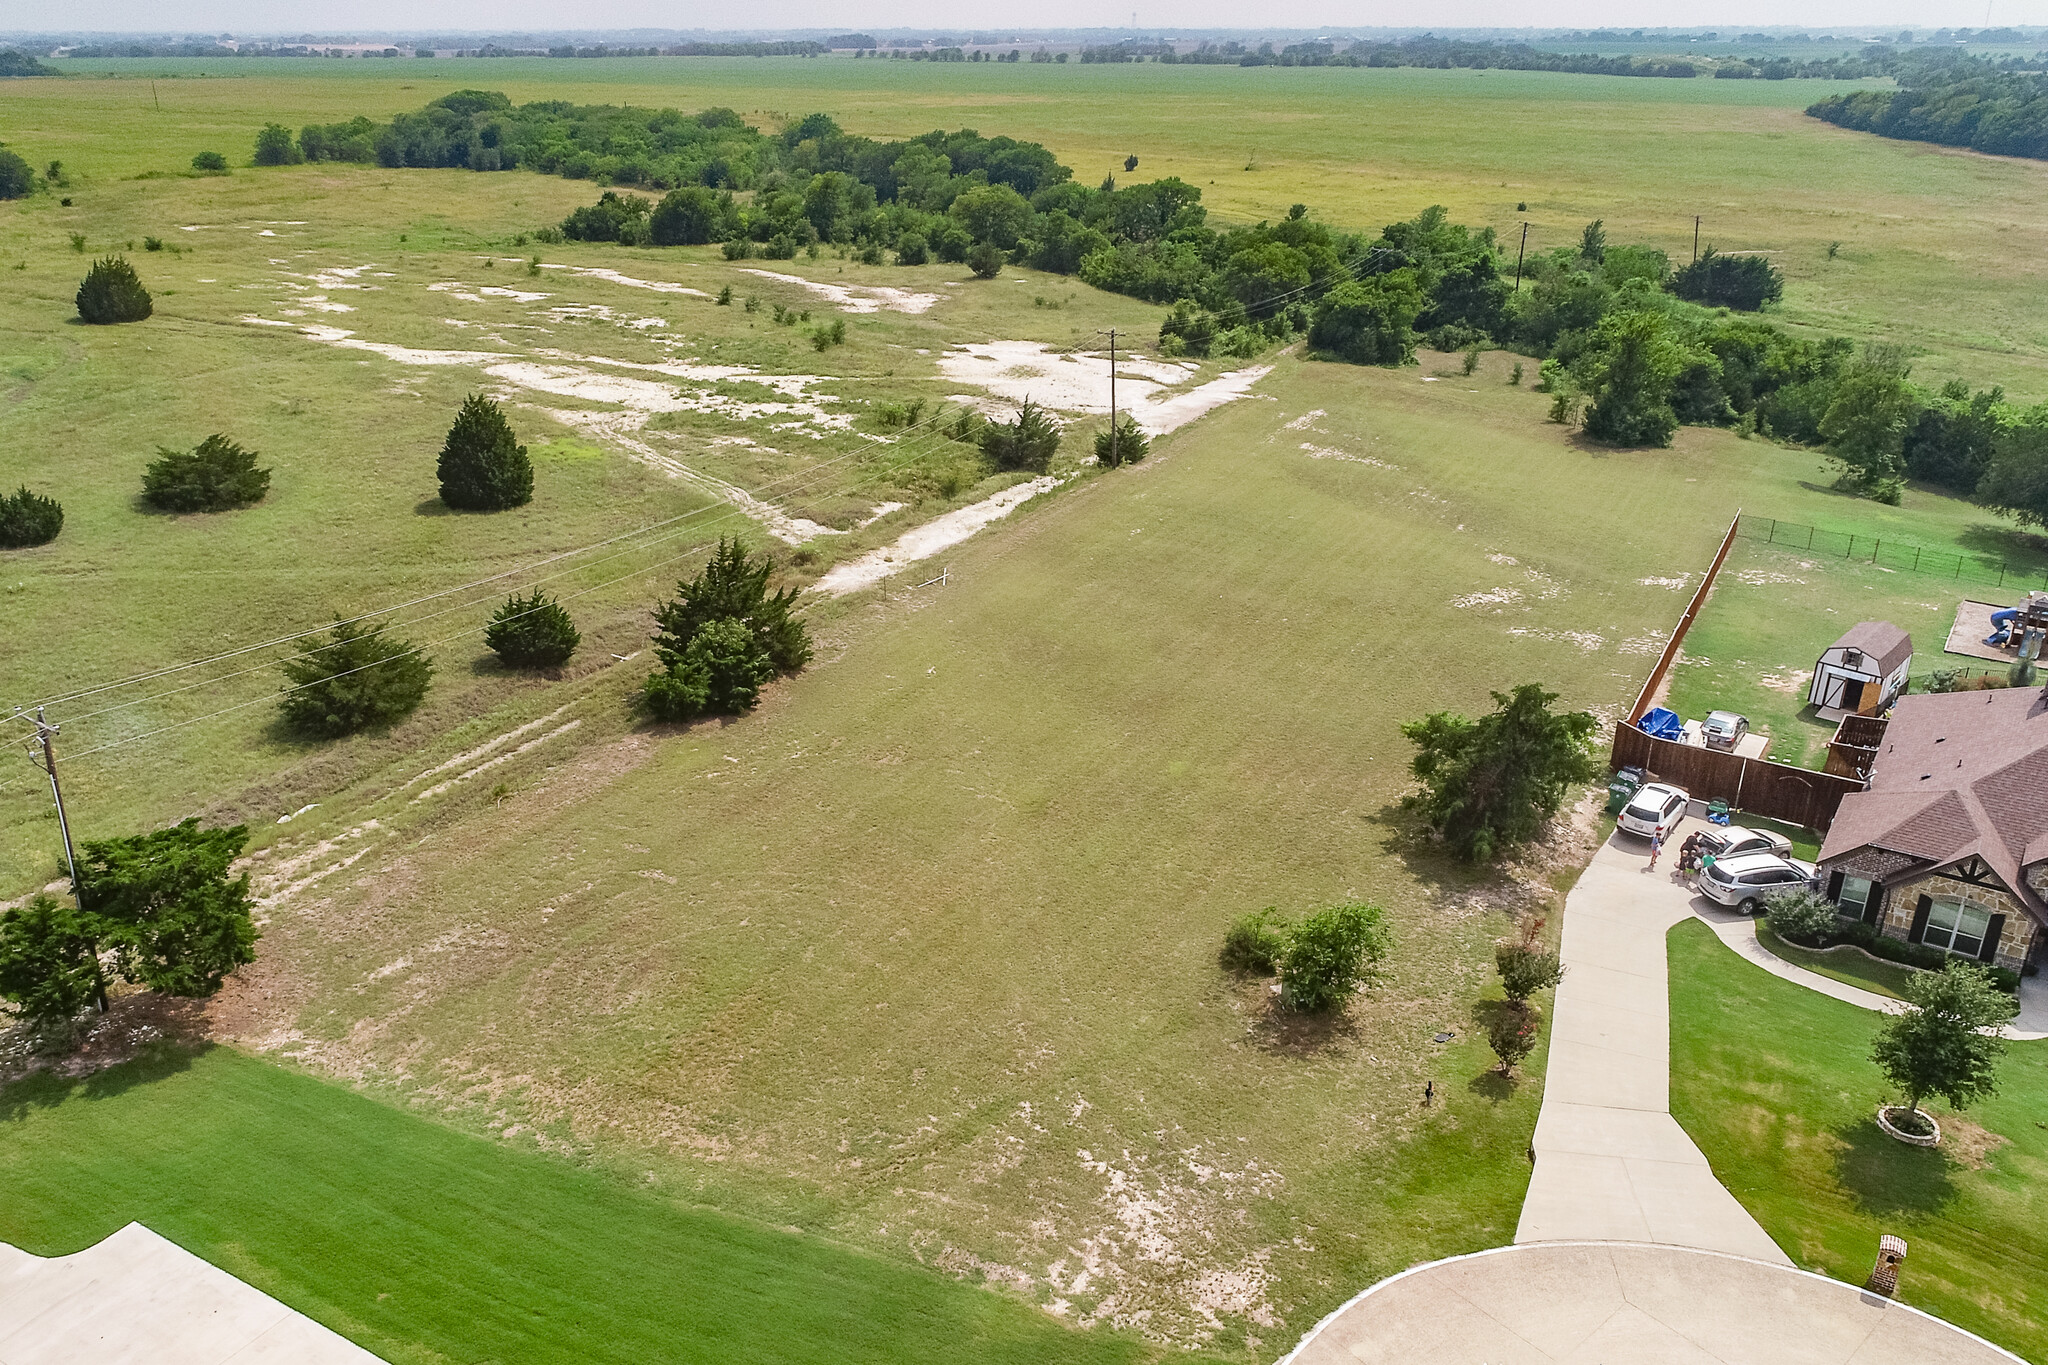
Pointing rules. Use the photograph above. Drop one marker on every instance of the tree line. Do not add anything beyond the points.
(1996, 105)
(1426, 51)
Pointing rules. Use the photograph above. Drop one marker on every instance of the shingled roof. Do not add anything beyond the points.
(1958, 773)
(1883, 643)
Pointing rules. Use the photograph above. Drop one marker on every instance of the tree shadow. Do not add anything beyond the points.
(1291, 1033)
(1888, 1178)
(141, 1039)
(1404, 835)
(1994, 541)
(1491, 1084)
(432, 507)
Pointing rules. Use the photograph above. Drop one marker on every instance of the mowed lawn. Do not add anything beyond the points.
(923, 953)
(1775, 1084)
(1939, 250)
(427, 1245)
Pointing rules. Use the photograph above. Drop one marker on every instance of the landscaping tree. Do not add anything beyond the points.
(1630, 369)
(213, 476)
(1511, 1031)
(1866, 421)
(274, 146)
(1525, 965)
(49, 966)
(1802, 916)
(1028, 441)
(28, 518)
(1256, 943)
(1744, 282)
(2016, 481)
(716, 669)
(1369, 321)
(16, 179)
(985, 259)
(1936, 1048)
(532, 632)
(1122, 444)
(353, 678)
(167, 906)
(483, 468)
(111, 292)
(1489, 784)
(1329, 954)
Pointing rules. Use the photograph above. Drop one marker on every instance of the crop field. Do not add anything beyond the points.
(920, 958)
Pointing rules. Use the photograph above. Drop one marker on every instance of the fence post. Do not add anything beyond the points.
(1852, 548)
(1916, 559)
(2001, 573)
(1874, 549)
(1772, 538)
(1809, 537)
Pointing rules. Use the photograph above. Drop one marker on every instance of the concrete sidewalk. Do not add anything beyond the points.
(1612, 1165)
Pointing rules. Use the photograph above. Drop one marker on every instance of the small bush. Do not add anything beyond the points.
(482, 467)
(675, 695)
(152, 244)
(823, 337)
(725, 297)
(275, 147)
(1511, 1031)
(1471, 360)
(1329, 954)
(1525, 965)
(546, 236)
(1122, 444)
(705, 666)
(16, 179)
(985, 259)
(27, 519)
(352, 679)
(1256, 943)
(214, 476)
(111, 292)
(912, 249)
(210, 163)
(1515, 375)
(532, 632)
(1802, 916)
(1028, 442)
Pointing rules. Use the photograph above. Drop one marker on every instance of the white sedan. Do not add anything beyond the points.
(1654, 809)
(1745, 880)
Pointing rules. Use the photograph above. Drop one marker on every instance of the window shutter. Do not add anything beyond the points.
(1834, 886)
(1991, 937)
(1920, 913)
(1873, 904)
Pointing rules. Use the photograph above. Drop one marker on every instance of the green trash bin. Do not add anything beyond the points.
(1623, 785)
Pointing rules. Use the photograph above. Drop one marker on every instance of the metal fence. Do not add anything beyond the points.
(1892, 554)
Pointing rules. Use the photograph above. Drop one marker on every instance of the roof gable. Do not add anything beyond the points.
(1884, 643)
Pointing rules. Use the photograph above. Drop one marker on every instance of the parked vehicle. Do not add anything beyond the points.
(1735, 841)
(1744, 881)
(1724, 729)
(1655, 809)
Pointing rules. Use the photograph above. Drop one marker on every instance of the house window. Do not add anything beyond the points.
(1957, 927)
(1854, 901)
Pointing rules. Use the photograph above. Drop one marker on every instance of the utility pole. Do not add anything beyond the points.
(1520, 251)
(45, 732)
(1695, 237)
(1111, 334)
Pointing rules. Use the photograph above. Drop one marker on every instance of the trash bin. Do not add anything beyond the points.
(1621, 787)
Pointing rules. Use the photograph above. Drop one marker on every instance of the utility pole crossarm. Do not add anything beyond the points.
(47, 733)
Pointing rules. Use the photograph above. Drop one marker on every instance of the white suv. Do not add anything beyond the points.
(1744, 880)
(1655, 809)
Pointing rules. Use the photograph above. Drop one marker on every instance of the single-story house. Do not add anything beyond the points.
(1863, 672)
(1949, 844)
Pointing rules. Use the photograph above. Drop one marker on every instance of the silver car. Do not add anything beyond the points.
(1724, 729)
(1735, 841)
(1744, 881)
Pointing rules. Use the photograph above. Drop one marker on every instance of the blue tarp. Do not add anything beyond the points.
(1660, 723)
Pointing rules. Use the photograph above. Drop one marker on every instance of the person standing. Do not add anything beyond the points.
(1656, 847)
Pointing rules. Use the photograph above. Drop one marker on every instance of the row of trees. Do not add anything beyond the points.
(1992, 104)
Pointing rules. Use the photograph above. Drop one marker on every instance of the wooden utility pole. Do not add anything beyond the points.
(1695, 237)
(46, 732)
(1520, 251)
(1113, 438)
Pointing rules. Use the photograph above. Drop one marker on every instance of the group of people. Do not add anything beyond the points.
(1695, 855)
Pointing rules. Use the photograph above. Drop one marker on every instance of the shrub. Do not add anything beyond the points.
(1187, 331)
(1369, 322)
(686, 217)
(1525, 965)
(274, 146)
(1743, 282)
(16, 179)
(725, 296)
(1802, 916)
(28, 518)
(49, 966)
(1256, 943)
(210, 163)
(912, 249)
(674, 695)
(111, 292)
(546, 236)
(1511, 1031)
(168, 906)
(1329, 954)
(213, 476)
(532, 632)
(1490, 784)
(1471, 360)
(483, 468)
(152, 244)
(1028, 441)
(353, 679)
(733, 663)
(1121, 444)
(985, 259)
(614, 217)
(733, 587)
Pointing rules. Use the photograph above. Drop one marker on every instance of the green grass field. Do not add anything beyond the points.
(1774, 1083)
(425, 1245)
(1845, 964)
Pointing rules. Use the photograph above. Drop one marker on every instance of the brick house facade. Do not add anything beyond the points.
(1949, 845)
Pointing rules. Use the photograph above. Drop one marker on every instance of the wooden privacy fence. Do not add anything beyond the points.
(1798, 796)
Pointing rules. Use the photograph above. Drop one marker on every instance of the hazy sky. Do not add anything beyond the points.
(268, 16)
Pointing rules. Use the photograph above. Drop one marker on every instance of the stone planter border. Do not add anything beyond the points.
(1900, 1135)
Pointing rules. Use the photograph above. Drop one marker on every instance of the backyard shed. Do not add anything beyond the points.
(1863, 672)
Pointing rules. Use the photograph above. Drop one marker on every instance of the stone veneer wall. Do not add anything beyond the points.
(2018, 936)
